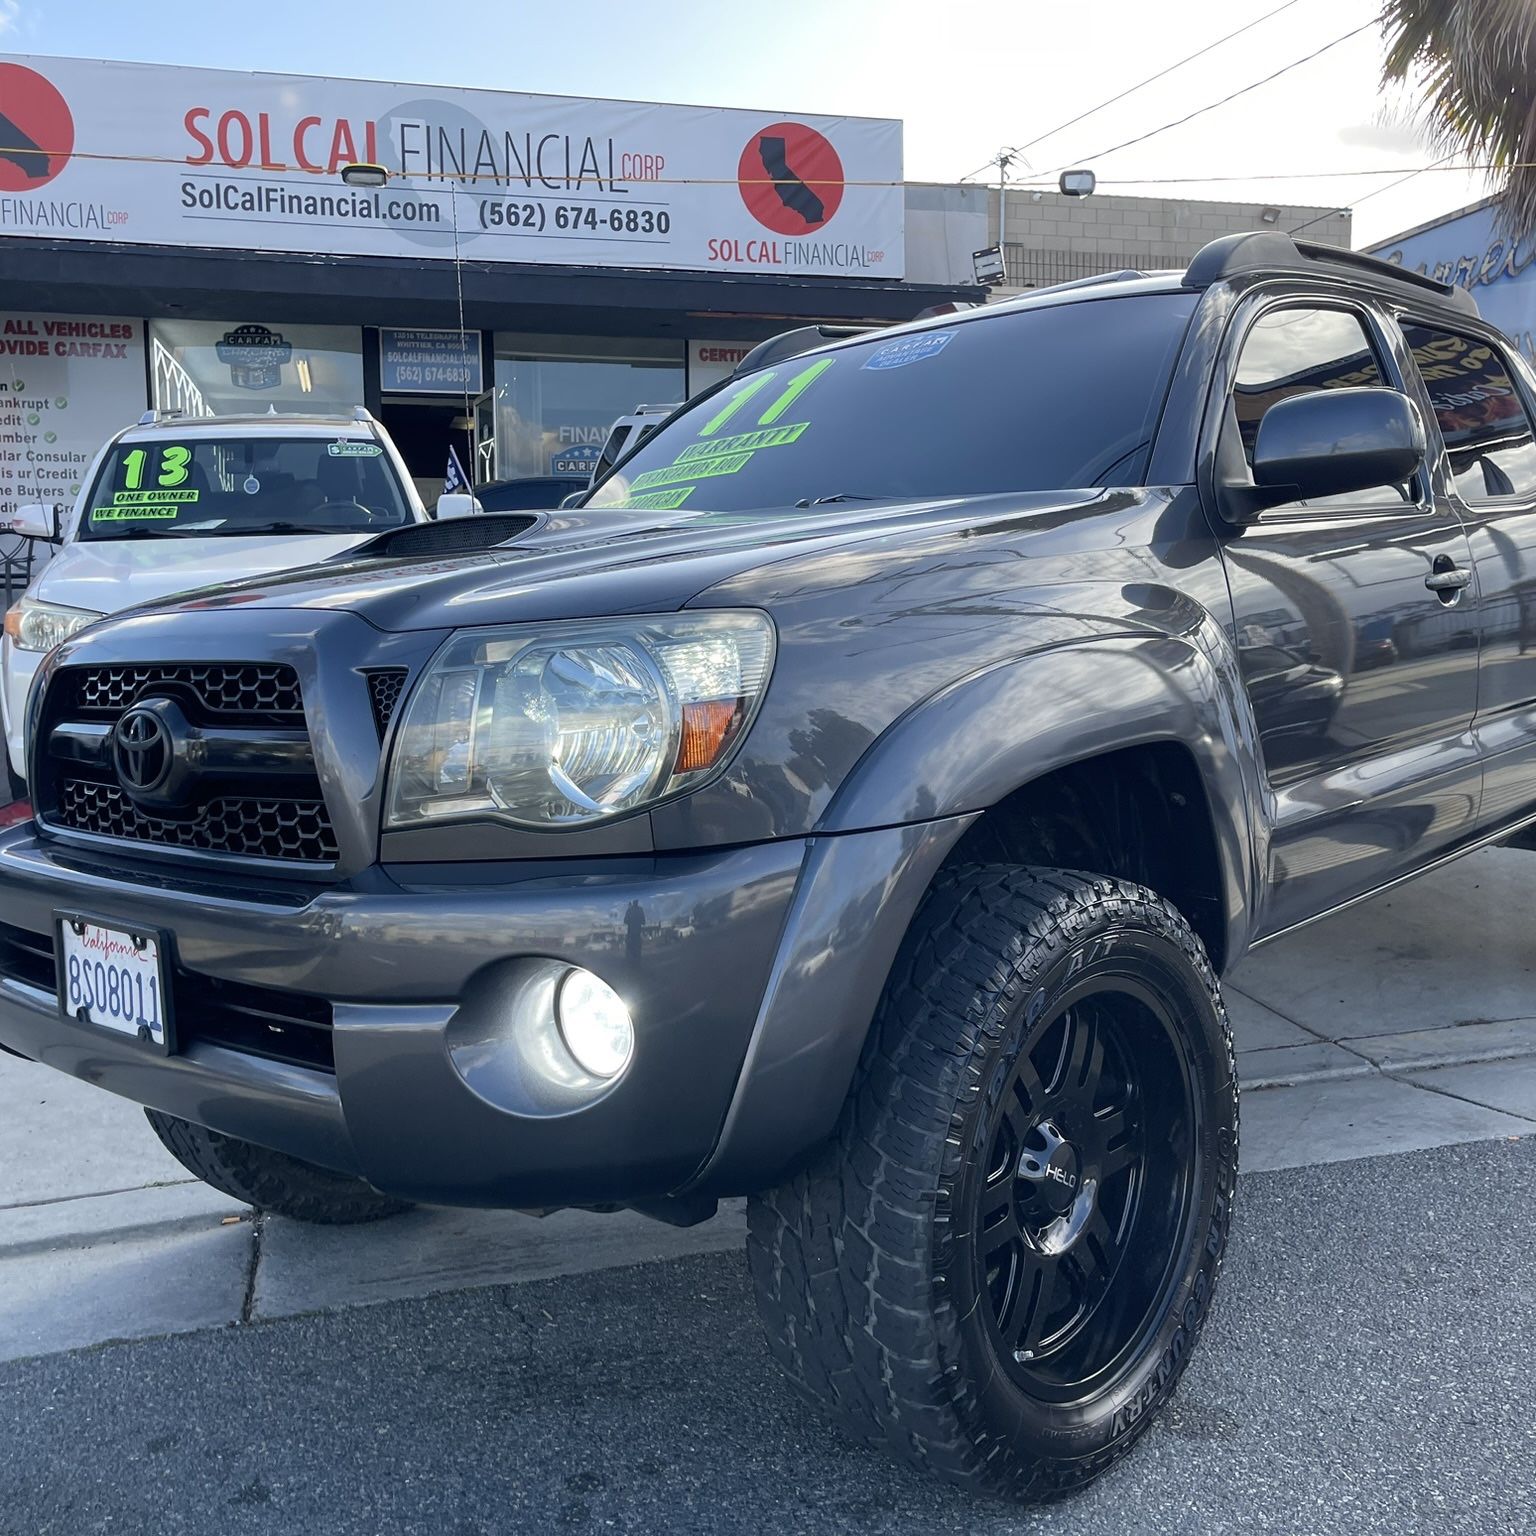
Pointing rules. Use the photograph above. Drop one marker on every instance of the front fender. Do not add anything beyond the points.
(931, 773)
(989, 734)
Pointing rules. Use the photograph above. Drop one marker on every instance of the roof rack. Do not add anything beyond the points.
(793, 343)
(1272, 251)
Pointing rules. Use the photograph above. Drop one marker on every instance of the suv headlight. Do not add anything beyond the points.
(563, 725)
(35, 626)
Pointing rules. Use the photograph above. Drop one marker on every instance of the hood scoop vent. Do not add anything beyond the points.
(484, 531)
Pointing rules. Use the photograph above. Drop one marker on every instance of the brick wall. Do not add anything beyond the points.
(1052, 238)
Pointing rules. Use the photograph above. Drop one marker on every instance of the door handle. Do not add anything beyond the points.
(1452, 580)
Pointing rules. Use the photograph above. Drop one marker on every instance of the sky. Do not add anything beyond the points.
(964, 86)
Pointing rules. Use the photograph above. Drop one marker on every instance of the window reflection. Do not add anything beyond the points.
(1486, 428)
(558, 396)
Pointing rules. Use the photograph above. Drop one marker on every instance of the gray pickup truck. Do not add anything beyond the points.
(850, 805)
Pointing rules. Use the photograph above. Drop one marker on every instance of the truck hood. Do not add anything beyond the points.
(581, 564)
(106, 576)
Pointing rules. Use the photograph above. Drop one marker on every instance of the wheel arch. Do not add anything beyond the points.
(1126, 718)
(1133, 722)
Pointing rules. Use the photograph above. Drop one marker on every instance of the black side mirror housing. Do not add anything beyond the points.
(1329, 442)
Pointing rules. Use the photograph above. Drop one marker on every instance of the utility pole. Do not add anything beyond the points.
(1005, 158)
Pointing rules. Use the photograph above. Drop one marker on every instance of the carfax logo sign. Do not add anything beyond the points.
(158, 155)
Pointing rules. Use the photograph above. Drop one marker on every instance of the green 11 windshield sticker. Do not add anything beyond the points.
(135, 502)
(710, 454)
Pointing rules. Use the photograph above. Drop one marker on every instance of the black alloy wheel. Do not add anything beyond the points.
(1087, 1162)
(999, 1266)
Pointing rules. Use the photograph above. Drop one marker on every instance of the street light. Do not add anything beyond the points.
(1077, 183)
(364, 174)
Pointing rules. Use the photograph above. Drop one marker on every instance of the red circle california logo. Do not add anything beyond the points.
(791, 178)
(37, 132)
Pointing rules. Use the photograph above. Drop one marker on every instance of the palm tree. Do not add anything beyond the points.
(1475, 61)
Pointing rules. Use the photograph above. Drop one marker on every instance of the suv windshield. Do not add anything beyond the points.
(1045, 399)
(208, 487)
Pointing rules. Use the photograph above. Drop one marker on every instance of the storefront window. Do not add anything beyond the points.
(213, 368)
(557, 396)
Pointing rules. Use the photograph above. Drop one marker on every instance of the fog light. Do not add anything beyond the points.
(594, 1023)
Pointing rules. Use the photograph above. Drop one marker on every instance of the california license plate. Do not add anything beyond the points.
(114, 978)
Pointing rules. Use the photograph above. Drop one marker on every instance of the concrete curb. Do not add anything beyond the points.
(1453, 1045)
(88, 1221)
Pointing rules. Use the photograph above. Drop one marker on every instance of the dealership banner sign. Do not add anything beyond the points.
(157, 155)
(67, 383)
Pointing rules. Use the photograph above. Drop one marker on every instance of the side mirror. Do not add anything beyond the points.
(34, 520)
(1333, 441)
(573, 499)
(456, 504)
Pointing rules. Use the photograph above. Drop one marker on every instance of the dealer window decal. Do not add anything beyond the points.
(703, 459)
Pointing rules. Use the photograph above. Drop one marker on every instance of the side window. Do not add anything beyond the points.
(1294, 351)
(1484, 421)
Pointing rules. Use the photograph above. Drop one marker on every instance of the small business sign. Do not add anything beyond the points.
(429, 362)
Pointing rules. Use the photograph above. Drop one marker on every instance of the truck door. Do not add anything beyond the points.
(1362, 680)
(1479, 396)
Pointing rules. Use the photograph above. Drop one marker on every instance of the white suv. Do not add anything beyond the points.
(174, 503)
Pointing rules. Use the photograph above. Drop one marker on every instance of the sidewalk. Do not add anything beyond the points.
(1407, 1023)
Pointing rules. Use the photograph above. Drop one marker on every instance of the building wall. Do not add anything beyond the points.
(945, 224)
(1051, 238)
(1473, 250)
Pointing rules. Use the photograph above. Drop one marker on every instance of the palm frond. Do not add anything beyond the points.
(1474, 63)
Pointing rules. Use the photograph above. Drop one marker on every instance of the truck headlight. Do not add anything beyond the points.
(35, 626)
(563, 725)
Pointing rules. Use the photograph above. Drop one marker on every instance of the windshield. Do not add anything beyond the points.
(1046, 399)
(211, 487)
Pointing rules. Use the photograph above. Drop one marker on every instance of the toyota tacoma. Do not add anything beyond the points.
(849, 804)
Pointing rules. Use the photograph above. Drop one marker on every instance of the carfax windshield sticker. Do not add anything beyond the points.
(908, 349)
(353, 450)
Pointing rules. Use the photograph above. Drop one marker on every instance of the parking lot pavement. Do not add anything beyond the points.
(1366, 1369)
(1407, 1023)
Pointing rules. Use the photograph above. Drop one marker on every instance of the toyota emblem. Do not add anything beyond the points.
(141, 750)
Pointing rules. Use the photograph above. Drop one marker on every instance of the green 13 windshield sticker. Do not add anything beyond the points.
(162, 498)
(710, 454)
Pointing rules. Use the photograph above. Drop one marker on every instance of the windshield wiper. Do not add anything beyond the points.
(244, 528)
(823, 501)
(139, 533)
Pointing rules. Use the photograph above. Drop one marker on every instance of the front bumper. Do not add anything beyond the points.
(416, 962)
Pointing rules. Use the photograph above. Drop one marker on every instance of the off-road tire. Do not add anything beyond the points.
(859, 1262)
(272, 1181)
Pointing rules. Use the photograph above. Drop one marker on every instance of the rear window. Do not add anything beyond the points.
(1045, 399)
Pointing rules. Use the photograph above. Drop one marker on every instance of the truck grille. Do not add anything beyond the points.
(259, 829)
(248, 786)
(267, 691)
(385, 685)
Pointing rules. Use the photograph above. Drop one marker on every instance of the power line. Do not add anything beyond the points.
(1432, 166)
(1188, 58)
(1188, 117)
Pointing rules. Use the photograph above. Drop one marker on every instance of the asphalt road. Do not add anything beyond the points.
(1368, 1369)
